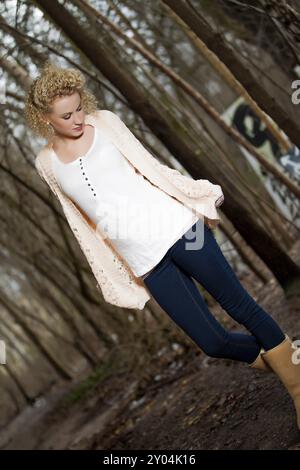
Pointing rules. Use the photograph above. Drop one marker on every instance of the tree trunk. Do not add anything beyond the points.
(216, 43)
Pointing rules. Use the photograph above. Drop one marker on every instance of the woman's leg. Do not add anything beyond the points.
(207, 264)
(175, 291)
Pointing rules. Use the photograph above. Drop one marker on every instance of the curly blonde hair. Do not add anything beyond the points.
(54, 81)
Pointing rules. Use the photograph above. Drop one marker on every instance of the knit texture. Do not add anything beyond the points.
(115, 279)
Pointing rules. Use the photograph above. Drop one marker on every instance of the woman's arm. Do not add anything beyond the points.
(188, 185)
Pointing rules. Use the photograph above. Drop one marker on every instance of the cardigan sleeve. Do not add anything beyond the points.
(40, 171)
(39, 168)
(189, 186)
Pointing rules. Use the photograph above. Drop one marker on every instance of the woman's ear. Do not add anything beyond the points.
(45, 118)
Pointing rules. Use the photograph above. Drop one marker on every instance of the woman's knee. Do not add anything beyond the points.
(215, 348)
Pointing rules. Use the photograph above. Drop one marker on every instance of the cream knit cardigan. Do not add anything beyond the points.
(115, 279)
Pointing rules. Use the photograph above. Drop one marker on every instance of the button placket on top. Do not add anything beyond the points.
(86, 179)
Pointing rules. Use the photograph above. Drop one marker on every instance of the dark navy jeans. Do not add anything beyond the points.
(172, 286)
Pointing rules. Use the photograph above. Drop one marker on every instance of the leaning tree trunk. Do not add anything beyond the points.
(215, 42)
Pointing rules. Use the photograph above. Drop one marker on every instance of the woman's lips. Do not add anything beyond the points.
(79, 128)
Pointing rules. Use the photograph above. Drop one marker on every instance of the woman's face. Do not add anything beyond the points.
(67, 116)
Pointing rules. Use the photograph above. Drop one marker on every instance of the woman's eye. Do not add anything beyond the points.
(68, 117)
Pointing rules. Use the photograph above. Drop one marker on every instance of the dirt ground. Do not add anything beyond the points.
(183, 401)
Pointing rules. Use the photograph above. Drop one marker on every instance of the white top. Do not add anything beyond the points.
(140, 219)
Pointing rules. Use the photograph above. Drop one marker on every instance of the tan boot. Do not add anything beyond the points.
(260, 364)
(284, 360)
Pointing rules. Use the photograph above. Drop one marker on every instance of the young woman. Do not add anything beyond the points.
(88, 168)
